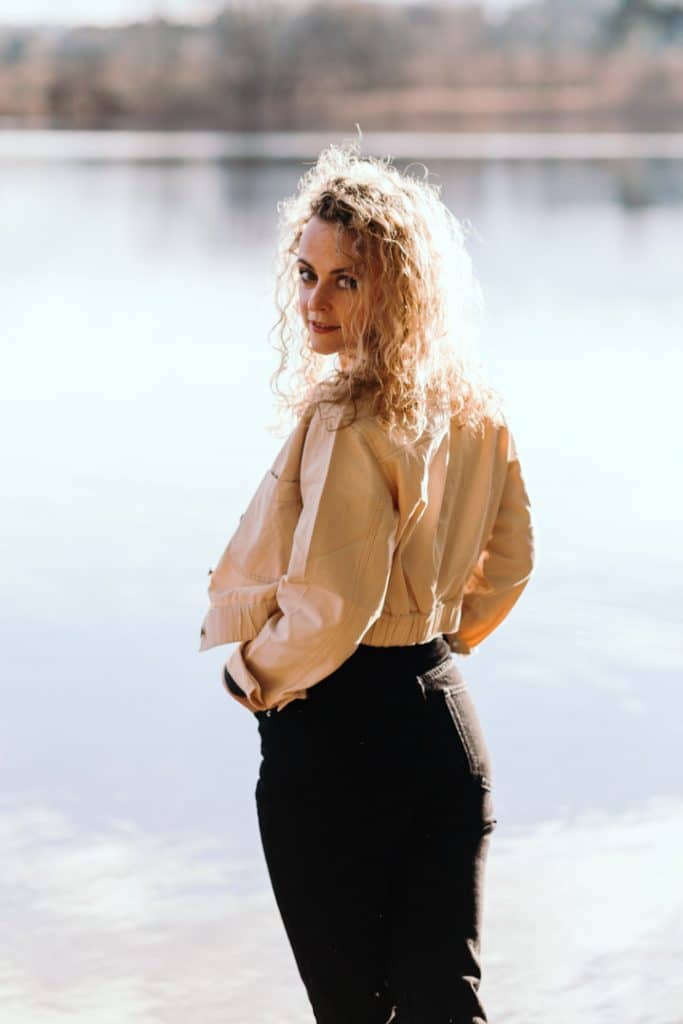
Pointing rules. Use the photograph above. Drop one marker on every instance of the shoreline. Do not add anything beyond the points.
(45, 143)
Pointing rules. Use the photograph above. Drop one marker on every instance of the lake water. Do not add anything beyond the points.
(136, 301)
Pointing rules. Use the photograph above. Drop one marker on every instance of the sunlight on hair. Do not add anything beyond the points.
(413, 337)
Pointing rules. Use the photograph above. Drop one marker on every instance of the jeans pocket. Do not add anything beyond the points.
(446, 684)
(466, 720)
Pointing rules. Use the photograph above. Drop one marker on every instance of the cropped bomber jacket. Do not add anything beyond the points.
(351, 537)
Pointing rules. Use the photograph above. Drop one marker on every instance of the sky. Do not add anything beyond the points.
(100, 11)
(27, 12)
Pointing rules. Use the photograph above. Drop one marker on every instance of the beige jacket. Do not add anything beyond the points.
(351, 538)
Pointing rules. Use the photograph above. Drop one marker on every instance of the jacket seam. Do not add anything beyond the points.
(380, 458)
(372, 535)
(229, 557)
(366, 440)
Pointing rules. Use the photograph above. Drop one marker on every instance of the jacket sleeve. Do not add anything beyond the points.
(504, 565)
(337, 576)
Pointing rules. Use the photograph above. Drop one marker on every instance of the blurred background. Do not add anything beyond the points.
(143, 149)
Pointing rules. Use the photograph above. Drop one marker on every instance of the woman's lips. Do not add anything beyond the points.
(321, 328)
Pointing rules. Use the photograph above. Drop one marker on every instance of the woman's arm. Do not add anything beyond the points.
(337, 576)
(504, 566)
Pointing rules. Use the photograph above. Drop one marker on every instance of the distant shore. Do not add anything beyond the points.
(543, 67)
(27, 142)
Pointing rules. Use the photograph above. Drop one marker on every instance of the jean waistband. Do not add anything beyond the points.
(411, 657)
(376, 667)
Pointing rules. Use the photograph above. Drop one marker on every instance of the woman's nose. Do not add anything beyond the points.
(319, 298)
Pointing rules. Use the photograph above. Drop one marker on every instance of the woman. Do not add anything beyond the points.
(392, 529)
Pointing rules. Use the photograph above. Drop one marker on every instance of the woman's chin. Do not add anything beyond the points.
(324, 347)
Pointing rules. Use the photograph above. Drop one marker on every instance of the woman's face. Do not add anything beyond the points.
(328, 286)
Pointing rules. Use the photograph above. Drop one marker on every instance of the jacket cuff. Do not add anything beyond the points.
(231, 684)
(243, 687)
(458, 645)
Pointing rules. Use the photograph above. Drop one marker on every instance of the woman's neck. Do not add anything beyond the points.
(345, 361)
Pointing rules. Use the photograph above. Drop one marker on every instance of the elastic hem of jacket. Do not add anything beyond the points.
(413, 627)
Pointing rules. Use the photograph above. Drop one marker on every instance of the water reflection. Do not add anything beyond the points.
(580, 922)
(135, 396)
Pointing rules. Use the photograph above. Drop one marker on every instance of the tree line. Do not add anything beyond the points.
(269, 66)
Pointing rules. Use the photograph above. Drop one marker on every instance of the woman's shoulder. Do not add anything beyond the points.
(361, 416)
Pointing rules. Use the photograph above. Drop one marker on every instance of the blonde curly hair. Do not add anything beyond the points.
(408, 349)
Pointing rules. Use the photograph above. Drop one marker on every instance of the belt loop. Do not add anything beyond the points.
(422, 687)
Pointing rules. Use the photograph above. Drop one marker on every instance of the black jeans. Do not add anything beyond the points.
(375, 810)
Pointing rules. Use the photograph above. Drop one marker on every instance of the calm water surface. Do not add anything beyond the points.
(135, 399)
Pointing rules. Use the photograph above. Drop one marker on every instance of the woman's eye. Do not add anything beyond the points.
(351, 282)
(345, 281)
